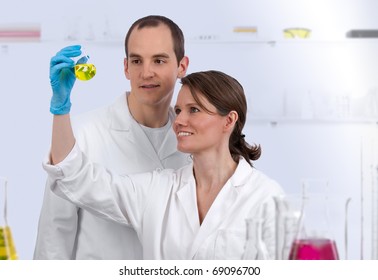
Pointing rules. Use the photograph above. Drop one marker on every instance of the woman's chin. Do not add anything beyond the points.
(185, 150)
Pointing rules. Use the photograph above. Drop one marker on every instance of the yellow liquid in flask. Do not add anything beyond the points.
(85, 72)
(7, 248)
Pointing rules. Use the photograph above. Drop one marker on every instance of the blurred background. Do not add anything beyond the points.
(309, 70)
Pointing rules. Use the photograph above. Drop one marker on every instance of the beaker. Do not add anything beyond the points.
(7, 248)
(312, 225)
(84, 69)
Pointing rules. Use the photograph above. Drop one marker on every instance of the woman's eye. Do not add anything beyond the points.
(177, 111)
(193, 110)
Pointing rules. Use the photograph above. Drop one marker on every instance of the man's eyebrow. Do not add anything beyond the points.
(165, 55)
(162, 55)
(134, 55)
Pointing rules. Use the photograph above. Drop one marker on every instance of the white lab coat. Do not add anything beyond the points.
(109, 136)
(162, 207)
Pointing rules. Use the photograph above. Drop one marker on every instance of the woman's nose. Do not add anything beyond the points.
(181, 119)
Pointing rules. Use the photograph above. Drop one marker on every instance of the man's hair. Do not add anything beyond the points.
(154, 21)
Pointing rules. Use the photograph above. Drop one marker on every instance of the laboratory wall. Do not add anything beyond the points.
(312, 100)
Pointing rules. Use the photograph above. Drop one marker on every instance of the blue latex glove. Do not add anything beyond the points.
(62, 79)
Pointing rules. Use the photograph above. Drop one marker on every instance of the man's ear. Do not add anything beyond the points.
(183, 66)
(126, 68)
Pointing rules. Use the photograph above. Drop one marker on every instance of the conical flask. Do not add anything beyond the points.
(7, 248)
(314, 240)
(312, 225)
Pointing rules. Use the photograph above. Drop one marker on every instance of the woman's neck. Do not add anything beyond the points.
(211, 174)
(213, 171)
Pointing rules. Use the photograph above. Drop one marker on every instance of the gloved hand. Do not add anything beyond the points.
(62, 79)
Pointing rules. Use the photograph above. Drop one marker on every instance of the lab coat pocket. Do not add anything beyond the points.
(229, 244)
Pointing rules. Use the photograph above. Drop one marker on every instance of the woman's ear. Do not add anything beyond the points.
(231, 120)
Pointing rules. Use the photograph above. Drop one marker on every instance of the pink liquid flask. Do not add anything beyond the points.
(313, 249)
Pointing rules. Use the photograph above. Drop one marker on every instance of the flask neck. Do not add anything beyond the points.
(3, 201)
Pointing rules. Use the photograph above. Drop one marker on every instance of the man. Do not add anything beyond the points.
(132, 135)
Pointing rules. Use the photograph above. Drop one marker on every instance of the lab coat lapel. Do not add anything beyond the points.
(170, 141)
(217, 213)
(137, 135)
(220, 211)
(170, 145)
(121, 120)
(187, 199)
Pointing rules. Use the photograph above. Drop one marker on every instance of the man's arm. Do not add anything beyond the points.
(63, 138)
(58, 219)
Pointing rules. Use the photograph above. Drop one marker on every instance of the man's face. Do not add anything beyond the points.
(151, 65)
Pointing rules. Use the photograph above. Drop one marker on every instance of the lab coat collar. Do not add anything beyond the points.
(122, 120)
(120, 114)
(242, 173)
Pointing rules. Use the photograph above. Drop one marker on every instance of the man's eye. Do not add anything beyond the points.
(135, 61)
(159, 61)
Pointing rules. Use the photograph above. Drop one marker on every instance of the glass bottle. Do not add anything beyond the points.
(7, 248)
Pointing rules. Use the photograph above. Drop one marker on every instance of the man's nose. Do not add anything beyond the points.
(147, 71)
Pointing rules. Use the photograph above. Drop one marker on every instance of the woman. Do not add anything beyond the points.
(196, 212)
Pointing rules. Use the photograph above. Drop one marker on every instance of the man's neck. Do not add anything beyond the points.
(153, 116)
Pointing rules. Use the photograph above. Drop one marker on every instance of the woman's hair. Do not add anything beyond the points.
(226, 94)
(154, 21)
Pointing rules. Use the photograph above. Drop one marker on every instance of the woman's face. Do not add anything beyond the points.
(197, 130)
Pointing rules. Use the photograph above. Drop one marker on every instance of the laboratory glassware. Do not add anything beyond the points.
(312, 225)
(7, 247)
(84, 68)
(255, 247)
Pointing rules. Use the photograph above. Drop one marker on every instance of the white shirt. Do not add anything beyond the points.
(109, 136)
(162, 206)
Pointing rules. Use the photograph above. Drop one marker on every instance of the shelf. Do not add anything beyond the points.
(296, 120)
(197, 41)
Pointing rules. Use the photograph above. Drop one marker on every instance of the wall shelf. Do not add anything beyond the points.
(297, 120)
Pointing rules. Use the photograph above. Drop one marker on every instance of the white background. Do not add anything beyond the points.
(313, 103)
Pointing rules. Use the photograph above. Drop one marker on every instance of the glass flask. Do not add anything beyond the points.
(7, 248)
(311, 226)
(255, 248)
(84, 69)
